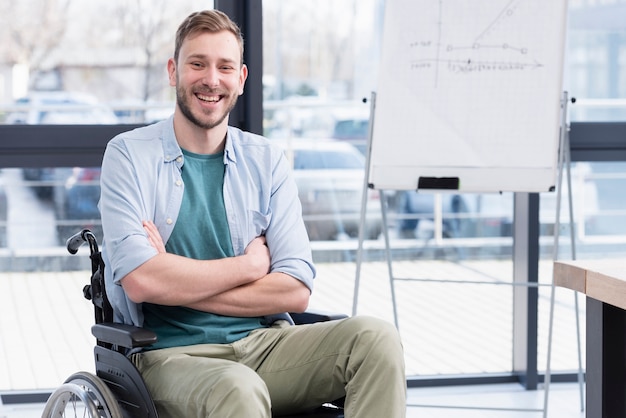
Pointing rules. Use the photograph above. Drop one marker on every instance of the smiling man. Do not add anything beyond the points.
(205, 245)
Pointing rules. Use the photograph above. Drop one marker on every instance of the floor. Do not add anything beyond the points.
(495, 401)
(457, 319)
(449, 402)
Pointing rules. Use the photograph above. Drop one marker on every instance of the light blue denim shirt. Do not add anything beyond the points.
(141, 180)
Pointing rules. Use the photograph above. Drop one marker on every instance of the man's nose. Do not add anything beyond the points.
(211, 77)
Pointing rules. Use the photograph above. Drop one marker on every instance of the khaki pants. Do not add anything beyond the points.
(283, 369)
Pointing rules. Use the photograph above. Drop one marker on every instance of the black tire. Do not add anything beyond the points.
(83, 394)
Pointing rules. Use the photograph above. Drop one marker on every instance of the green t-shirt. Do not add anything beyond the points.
(201, 232)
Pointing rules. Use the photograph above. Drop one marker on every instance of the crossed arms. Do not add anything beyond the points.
(233, 286)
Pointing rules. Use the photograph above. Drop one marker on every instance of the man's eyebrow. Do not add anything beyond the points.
(204, 57)
(196, 56)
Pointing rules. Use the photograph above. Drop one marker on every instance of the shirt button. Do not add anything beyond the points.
(179, 159)
(169, 221)
(179, 183)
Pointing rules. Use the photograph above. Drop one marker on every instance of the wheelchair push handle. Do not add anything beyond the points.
(74, 242)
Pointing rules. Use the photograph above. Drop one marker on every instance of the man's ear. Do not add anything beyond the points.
(243, 75)
(171, 71)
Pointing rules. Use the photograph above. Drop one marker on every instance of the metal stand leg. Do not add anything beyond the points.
(564, 161)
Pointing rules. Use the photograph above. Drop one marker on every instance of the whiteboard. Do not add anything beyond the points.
(469, 90)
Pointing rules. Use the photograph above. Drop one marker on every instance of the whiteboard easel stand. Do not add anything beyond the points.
(385, 229)
(563, 160)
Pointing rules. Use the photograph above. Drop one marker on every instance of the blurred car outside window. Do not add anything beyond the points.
(71, 204)
(59, 107)
(329, 175)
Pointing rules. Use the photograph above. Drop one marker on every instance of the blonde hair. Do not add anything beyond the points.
(206, 21)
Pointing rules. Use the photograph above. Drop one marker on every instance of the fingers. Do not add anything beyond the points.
(153, 236)
(258, 242)
(258, 251)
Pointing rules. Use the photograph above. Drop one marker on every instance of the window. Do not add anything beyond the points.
(321, 61)
(103, 62)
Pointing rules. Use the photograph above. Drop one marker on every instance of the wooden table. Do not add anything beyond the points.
(604, 284)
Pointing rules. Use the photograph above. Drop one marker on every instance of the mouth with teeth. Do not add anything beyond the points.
(208, 98)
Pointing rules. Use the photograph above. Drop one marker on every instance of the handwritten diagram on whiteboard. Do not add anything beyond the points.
(470, 90)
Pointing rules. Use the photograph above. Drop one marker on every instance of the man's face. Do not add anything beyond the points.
(208, 77)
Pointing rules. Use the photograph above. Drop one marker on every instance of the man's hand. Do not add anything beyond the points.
(259, 255)
(235, 286)
(153, 236)
(256, 253)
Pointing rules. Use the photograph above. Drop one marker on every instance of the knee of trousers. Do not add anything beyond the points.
(227, 391)
(377, 335)
(235, 386)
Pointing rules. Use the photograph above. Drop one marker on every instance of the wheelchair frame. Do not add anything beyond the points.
(117, 390)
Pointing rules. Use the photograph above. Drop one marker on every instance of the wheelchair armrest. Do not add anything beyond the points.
(311, 316)
(127, 336)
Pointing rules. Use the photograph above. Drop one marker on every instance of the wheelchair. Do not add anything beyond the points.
(117, 390)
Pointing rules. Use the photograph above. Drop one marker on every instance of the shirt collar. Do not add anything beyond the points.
(171, 149)
(229, 149)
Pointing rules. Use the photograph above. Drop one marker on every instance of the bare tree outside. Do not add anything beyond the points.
(150, 25)
(31, 30)
(95, 38)
(117, 49)
(146, 27)
(312, 45)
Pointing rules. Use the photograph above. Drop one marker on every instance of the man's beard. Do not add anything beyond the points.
(183, 105)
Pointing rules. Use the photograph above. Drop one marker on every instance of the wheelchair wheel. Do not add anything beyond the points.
(83, 394)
